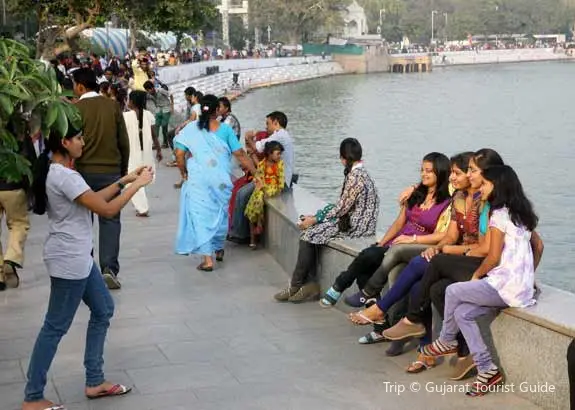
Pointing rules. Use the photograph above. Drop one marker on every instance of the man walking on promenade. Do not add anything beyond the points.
(276, 124)
(103, 162)
(161, 104)
(14, 206)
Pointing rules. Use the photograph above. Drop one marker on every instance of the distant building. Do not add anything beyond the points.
(355, 21)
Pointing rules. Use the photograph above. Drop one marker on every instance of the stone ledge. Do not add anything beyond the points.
(530, 344)
(553, 306)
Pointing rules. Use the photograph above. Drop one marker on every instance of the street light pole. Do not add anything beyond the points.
(446, 37)
(433, 13)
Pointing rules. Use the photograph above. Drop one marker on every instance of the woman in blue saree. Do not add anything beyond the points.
(204, 150)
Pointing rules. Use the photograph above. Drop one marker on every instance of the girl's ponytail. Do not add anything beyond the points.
(138, 100)
(42, 167)
(209, 104)
(40, 173)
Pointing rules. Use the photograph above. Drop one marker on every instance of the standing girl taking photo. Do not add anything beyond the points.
(74, 277)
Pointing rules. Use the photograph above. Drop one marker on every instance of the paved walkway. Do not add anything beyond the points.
(203, 341)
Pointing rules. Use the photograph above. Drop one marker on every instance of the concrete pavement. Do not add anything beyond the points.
(194, 340)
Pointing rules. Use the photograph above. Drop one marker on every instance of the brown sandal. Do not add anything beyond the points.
(421, 364)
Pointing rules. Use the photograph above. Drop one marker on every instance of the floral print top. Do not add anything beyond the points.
(359, 200)
(469, 223)
(514, 277)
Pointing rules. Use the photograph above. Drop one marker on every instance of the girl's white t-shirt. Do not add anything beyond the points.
(68, 248)
(514, 277)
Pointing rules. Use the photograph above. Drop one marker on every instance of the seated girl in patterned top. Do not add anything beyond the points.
(271, 183)
(506, 278)
(413, 231)
(354, 216)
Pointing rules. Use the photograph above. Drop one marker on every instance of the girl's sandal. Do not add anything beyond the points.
(115, 390)
(360, 319)
(421, 364)
(204, 268)
(253, 246)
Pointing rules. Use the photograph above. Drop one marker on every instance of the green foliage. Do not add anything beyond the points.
(28, 89)
(292, 20)
(413, 17)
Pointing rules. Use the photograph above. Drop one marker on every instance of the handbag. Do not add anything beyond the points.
(343, 223)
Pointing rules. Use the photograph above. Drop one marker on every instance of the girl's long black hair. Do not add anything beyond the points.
(487, 157)
(441, 169)
(461, 160)
(42, 166)
(209, 104)
(350, 150)
(138, 100)
(508, 192)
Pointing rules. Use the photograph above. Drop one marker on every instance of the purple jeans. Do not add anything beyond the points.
(464, 302)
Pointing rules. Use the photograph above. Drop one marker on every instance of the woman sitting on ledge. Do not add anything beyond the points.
(411, 233)
(506, 278)
(355, 215)
(462, 251)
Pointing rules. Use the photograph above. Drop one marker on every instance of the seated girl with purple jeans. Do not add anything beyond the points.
(413, 230)
(506, 277)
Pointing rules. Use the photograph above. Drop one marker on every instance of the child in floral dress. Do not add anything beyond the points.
(271, 171)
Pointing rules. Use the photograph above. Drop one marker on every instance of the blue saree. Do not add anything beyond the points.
(205, 196)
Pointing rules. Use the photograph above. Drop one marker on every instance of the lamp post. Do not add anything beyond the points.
(108, 23)
(433, 13)
(445, 29)
(269, 34)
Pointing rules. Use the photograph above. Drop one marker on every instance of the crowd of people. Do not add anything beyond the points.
(464, 240)
(107, 163)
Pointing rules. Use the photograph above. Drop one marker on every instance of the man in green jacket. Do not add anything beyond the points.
(104, 161)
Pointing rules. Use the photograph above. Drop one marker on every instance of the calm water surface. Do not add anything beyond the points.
(524, 111)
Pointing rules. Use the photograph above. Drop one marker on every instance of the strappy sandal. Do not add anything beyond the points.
(421, 364)
(220, 255)
(115, 390)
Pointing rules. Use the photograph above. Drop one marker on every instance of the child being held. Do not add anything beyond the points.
(270, 170)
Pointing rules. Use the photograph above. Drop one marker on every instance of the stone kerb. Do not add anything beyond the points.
(498, 56)
(220, 84)
(530, 344)
(186, 72)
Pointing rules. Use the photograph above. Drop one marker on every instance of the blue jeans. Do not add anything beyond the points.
(109, 228)
(65, 297)
(412, 274)
(240, 224)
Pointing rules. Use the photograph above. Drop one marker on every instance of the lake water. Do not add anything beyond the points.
(524, 111)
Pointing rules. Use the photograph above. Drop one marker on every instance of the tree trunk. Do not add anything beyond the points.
(133, 34)
(179, 36)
